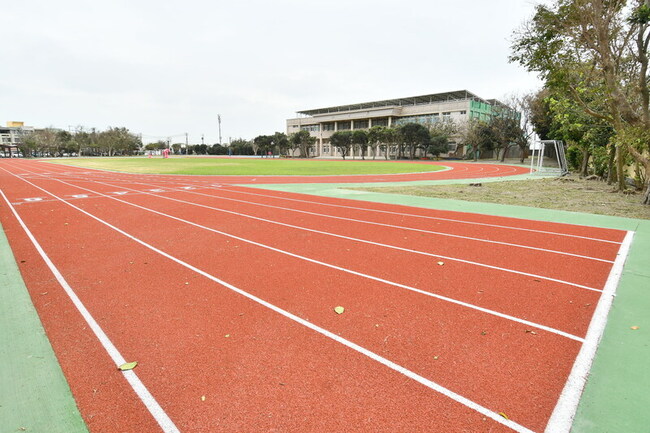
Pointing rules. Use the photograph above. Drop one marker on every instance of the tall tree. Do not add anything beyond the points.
(303, 141)
(360, 141)
(598, 48)
(414, 135)
(342, 140)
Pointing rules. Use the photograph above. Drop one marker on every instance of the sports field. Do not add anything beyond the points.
(254, 309)
(247, 166)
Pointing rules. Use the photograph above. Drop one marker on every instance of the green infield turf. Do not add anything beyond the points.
(246, 166)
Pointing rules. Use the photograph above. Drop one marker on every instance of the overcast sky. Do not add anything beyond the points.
(163, 68)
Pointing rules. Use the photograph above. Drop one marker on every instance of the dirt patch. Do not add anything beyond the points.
(565, 193)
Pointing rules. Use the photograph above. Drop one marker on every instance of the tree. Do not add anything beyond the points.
(414, 135)
(375, 138)
(440, 133)
(303, 141)
(280, 142)
(240, 146)
(360, 141)
(478, 136)
(597, 48)
(160, 144)
(342, 140)
(118, 141)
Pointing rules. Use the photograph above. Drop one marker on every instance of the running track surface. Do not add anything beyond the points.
(225, 295)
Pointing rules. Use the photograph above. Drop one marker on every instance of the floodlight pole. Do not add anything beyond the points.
(219, 119)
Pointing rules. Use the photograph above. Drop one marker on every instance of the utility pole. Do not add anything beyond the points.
(186, 143)
(202, 139)
(219, 119)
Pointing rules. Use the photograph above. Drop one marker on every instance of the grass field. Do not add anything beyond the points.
(245, 166)
(567, 193)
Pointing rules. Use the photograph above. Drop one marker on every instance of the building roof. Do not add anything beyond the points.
(459, 95)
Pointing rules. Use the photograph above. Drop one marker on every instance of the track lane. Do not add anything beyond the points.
(296, 200)
(117, 294)
(490, 291)
(191, 250)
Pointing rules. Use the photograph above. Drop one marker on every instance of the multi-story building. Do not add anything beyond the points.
(458, 106)
(11, 137)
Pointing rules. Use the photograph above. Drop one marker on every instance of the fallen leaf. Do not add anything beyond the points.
(483, 332)
(441, 263)
(339, 310)
(634, 328)
(504, 415)
(128, 366)
(227, 335)
(435, 357)
(202, 398)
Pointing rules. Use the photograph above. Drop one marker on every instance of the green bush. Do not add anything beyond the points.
(574, 158)
(599, 160)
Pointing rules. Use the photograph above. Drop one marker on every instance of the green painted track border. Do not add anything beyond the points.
(34, 394)
(616, 397)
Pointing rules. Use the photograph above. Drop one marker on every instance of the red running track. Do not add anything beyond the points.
(422, 346)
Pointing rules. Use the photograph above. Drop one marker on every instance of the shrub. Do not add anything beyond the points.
(574, 157)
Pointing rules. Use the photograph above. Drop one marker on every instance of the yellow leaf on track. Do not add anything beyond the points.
(634, 328)
(441, 263)
(128, 366)
(339, 310)
(504, 415)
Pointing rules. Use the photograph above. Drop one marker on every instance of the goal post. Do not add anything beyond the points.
(540, 147)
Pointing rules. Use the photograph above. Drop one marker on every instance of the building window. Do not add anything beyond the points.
(360, 124)
(326, 149)
(310, 128)
(463, 112)
(343, 126)
(452, 147)
(328, 126)
(380, 122)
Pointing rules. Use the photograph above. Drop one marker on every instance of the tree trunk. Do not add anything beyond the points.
(611, 170)
(584, 167)
(620, 159)
(505, 152)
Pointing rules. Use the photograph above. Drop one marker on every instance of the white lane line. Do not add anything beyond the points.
(163, 420)
(236, 191)
(182, 188)
(562, 418)
(437, 256)
(379, 244)
(563, 253)
(390, 364)
(338, 268)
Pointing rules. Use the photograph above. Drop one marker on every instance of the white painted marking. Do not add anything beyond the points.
(141, 390)
(120, 192)
(406, 228)
(394, 366)
(394, 247)
(360, 274)
(187, 187)
(80, 196)
(562, 418)
(350, 238)
(33, 199)
(157, 190)
(423, 216)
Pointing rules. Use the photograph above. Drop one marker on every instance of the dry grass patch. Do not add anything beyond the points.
(566, 193)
